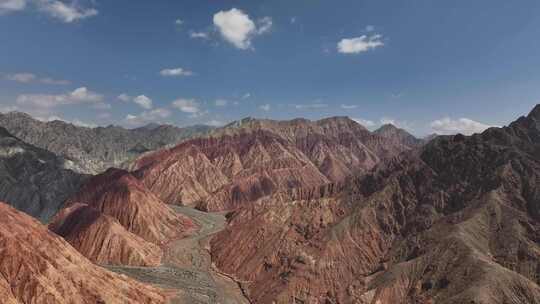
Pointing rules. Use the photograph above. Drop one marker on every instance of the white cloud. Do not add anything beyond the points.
(175, 72)
(21, 77)
(462, 125)
(143, 101)
(81, 123)
(186, 105)
(155, 115)
(30, 77)
(265, 24)
(365, 122)
(8, 6)
(178, 21)
(78, 96)
(246, 96)
(201, 35)
(48, 80)
(221, 102)
(215, 123)
(236, 27)
(265, 107)
(64, 12)
(348, 107)
(388, 121)
(360, 44)
(310, 106)
(124, 97)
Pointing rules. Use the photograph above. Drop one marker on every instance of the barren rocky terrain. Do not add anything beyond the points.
(187, 268)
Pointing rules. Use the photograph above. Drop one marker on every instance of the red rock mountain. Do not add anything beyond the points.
(457, 221)
(250, 159)
(114, 219)
(102, 239)
(39, 267)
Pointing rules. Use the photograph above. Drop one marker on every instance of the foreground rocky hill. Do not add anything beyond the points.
(34, 180)
(93, 150)
(250, 159)
(454, 222)
(38, 267)
(114, 219)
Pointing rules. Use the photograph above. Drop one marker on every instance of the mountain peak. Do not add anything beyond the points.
(535, 112)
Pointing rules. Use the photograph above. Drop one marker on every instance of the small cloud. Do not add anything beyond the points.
(348, 107)
(215, 123)
(81, 123)
(143, 101)
(265, 107)
(388, 121)
(237, 28)
(310, 106)
(265, 24)
(21, 77)
(246, 96)
(178, 21)
(221, 102)
(48, 80)
(64, 12)
(370, 28)
(8, 6)
(293, 20)
(198, 35)
(145, 117)
(360, 44)
(462, 125)
(30, 77)
(365, 122)
(124, 97)
(175, 72)
(78, 96)
(186, 105)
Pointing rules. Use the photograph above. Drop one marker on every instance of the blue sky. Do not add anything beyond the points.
(443, 66)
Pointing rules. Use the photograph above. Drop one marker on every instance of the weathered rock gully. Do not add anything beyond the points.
(187, 269)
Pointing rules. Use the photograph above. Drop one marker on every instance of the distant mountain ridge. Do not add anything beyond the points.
(93, 150)
(32, 179)
(251, 158)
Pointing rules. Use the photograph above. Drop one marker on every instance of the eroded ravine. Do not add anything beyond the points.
(187, 268)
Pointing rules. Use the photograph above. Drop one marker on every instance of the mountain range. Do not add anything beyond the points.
(321, 211)
(93, 150)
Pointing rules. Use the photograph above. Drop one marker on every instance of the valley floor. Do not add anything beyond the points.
(187, 268)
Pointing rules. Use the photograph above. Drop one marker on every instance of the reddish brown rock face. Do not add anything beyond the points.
(455, 222)
(38, 267)
(102, 239)
(242, 163)
(114, 219)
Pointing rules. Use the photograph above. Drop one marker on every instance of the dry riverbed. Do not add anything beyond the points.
(187, 267)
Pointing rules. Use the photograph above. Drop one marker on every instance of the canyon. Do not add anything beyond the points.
(298, 211)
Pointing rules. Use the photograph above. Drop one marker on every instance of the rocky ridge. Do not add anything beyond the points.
(34, 180)
(93, 150)
(250, 159)
(454, 222)
(114, 219)
(38, 267)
